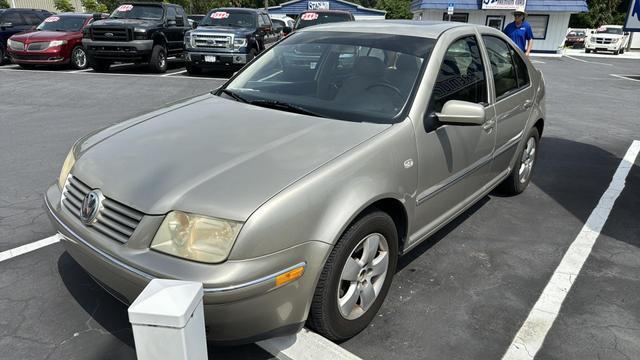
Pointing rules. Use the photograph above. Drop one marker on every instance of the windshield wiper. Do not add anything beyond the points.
(234, 96)
(279, 105)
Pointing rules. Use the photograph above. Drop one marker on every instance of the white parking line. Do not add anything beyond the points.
(531, 335)
(174, 73)
(538, 62)
(79, 71)
(8, 254)
(585, 61)
(305, 345)
(624, 77)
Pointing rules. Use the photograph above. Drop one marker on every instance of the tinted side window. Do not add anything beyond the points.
(31, 19)
(521, 70)
(261, 21)
(461, 75)
(181, 18)
(14, 18)
(504, 72)
(171, 13)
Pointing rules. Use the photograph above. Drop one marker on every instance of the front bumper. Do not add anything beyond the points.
(46, 57)
(602, 47)
(241, 302)
(118, 50)
(222, 59)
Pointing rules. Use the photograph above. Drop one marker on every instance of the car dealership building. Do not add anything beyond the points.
(549, 19)
(296, 7)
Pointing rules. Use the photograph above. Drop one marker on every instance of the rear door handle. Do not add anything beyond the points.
(527, 104)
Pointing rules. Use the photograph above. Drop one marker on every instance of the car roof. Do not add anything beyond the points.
(248, 10)
(25, 9)
(427, 29)
(327, 11)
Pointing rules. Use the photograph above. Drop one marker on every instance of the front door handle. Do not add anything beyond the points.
(488, 125)
(527, 104)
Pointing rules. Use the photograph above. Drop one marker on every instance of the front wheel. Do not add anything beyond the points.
(79, 58)
(356, 277)
(158, 61)
(520, 175)
(587, 50)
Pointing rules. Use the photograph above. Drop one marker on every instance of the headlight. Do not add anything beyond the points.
(139, 34)
(57, 43)
(615, 41)
(197, 238)
(591, 39)
(15, 45)
(238, 43)
(66, 168)
(187, 40)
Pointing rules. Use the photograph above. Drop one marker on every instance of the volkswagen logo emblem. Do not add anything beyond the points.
(91, 206)
(108, 34)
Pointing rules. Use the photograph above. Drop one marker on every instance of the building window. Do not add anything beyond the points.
(495, 21)
(539, 24)
(456, 17)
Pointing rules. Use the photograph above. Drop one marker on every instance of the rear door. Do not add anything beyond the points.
(514, 98)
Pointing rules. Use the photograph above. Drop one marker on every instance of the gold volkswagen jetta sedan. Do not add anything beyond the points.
(291, 191)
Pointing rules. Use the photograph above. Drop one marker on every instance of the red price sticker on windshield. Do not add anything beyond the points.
(309, 16)
(220, 15)
(51, 19)
(601, 28)
(125, 8)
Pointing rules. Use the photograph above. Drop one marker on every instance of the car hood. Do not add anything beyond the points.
(224, 29)
(126, 23)
(40, 36)
(213, 156)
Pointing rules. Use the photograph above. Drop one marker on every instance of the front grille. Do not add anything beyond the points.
(213, 41)
(38, 46)
(603, 40)
(115, 220)
(110, 34)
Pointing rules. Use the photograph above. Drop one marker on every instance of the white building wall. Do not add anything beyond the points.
(634, 42)
(43, 4)
(556, 28)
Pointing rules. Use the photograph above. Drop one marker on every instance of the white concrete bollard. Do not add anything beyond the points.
(168, 321)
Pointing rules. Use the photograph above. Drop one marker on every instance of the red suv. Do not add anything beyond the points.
(57, 40)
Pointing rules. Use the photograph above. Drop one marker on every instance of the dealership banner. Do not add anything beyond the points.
(504, 4)
(633, 17)
(318, 5)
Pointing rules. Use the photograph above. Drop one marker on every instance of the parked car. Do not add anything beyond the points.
(228, 38)
(13, 21)
(137, 32)
(57, 40)
(607, 38)
(315, 17)
(291, 191)
(575, 38)
(289, 22)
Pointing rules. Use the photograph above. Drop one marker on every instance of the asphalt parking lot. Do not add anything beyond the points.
(463, 294)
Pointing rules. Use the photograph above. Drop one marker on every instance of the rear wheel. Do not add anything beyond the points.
(356, 277)
(520, 175)
(79, 58)
(158, 61)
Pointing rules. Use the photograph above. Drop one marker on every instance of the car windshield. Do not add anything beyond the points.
(362, 77)
(617, 31)
(315, 18)
(576, 33)
(143, 12)
(229, 18)
(62, 23)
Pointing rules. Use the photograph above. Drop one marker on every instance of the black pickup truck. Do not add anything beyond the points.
(139, 33)
(228, 38)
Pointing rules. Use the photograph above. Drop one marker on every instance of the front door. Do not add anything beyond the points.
(454, 161)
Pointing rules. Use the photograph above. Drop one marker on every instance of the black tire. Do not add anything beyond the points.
(158, 60)
(79, 59)
(193, 70)
(99, 65)
(587, 50)
(252, 54)
(621, 51)
(324, 315)
(514, 184)
(2, 54)
(616, 52)
(27, 66)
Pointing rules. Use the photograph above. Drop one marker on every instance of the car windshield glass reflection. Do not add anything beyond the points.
(347, 76)
(62, 23)
(226, 18)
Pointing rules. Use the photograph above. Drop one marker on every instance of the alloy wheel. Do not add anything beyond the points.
(363, 276)
(527, 161)
(79, 58)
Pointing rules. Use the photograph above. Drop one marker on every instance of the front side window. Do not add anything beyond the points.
(142, 12)
(14, 18)
(461, 75)
(62, 23)
(223, 17)
(330, 75)
(504, 72)
(31, 19)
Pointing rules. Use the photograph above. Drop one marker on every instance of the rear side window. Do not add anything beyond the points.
(461, 75)
(504, 71)
(31, 19)
(521, 70)
(14, 18)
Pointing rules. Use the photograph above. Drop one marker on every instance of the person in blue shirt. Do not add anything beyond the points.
(520, 31)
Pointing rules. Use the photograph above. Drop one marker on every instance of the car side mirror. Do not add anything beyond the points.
(6, 25)
(194, 24)
(286, 30)
(456, 112)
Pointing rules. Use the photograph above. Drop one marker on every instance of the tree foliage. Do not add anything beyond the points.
(4, 4)
(92, 6)
(601, 12)
(63, 5)
(396, 9)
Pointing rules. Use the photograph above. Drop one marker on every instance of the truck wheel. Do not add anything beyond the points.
(621, 51)
(158, 61)
(616, 52)
(193, 70)
(79, 58)
(587, 50)
(252, 54)
(100, 65)
(356, 277)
